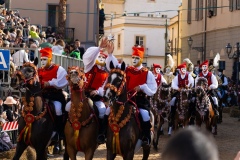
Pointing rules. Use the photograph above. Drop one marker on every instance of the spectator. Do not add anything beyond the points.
(33, 33)
(1, 42)
(2, 25)
(75, 53)
(32, 52)
(1, 106)
(49, 32)
(20, 57)
(42, 36)
(7, 105)
(78, 46)
(191, 144)
(66, 50)
(58, 48)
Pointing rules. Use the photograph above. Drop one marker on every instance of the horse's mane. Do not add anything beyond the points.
(202, 81)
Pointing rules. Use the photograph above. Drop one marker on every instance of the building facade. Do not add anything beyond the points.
(142, 22)
(211, 24)
(81, 15)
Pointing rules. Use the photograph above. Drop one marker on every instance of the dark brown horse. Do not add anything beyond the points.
(161, 109)
(204, 110)
(182, 115)
(81, 129)
(123, 131)
(36, 122)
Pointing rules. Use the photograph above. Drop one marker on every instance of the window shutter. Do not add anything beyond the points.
(197, 10)
(238, 4)
(230, 5)
(201, 10)
(215, 7)
(189, 16)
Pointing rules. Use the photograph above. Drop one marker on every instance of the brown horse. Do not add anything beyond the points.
(182, 115)
(161, 109)
(204, 110)
(81, 129)
(123, 131)
(36, 122)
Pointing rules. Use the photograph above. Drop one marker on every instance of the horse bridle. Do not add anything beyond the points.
(183, 110)
(113, 88)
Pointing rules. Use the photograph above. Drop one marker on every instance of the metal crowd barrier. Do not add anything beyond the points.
(64, 61)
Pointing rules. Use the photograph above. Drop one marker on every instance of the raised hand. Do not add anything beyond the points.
(110, 47)
(104, 42)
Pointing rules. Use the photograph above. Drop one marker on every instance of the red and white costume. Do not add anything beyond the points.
(158, 77)
(55, 75)
(182, 80)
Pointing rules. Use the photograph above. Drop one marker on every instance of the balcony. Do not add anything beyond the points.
(113, 1)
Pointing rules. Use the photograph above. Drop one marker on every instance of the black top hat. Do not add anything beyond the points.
(220, 70)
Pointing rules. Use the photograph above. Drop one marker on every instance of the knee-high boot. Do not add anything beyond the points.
(146, 126)
(102, 129)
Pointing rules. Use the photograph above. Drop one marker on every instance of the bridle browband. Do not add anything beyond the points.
(113, 88)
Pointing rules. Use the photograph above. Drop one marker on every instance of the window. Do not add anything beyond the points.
(119, 41)
(151, 0)
(189, 16)
(212, 6)
(234, 5)
(136, 14)
(139, 40)
(150, 15)
(199, 10)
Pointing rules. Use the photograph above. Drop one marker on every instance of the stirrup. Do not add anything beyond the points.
(145, 142)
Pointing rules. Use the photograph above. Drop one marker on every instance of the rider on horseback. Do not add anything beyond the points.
(96, 74)
(180, 81)
(142, 81)
(212, 84)
(53, 80)
(157, 74)
(168, 74)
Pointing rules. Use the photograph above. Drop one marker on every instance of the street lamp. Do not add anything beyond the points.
(199, 49)
(234, 55)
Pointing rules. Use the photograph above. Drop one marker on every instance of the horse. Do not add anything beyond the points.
(81, 129)
(36, 124)
(204, 111)
(182, 115)
(161, 109)
(123, 130)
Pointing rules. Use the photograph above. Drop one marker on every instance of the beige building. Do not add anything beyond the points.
(81, 15)
(211, 24)
(142, 22)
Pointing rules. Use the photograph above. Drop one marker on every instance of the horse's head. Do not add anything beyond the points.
(27, 75)
(76, 77)
(165, 91)
(115, 82)
(183, 102)
(201, 86)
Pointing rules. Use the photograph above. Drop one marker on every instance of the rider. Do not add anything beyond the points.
(180, 81)
(53, 79)
(157, 74)
(212, 84)
(96, 74)
(168, 74)
(190, 67)
(142, 81)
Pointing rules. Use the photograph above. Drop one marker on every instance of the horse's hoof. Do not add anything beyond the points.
(155, 147)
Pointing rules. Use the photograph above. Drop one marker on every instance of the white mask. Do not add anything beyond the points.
(44, 61)
(220, 73)
(183, 70)
(204, 68)
(135, 60)
(158, 70)
(168, 70)
(101, 59)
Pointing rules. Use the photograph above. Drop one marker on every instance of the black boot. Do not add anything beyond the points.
(102, 129)
(215, 109)
(146, 140)
(58, 127)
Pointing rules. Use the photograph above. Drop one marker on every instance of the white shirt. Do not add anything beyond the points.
(214, 84)
(19, 57)
(61, 81)
(175, 81)
(149, 88)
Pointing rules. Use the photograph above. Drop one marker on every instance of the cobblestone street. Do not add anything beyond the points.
(227, 139)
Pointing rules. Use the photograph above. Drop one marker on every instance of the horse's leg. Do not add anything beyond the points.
(89, 153)
(65, 155)
(159, 126)
(110, 155)
(21, 146)
(146, 152)
(129, 155)
(41, 153)
(71, 152)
